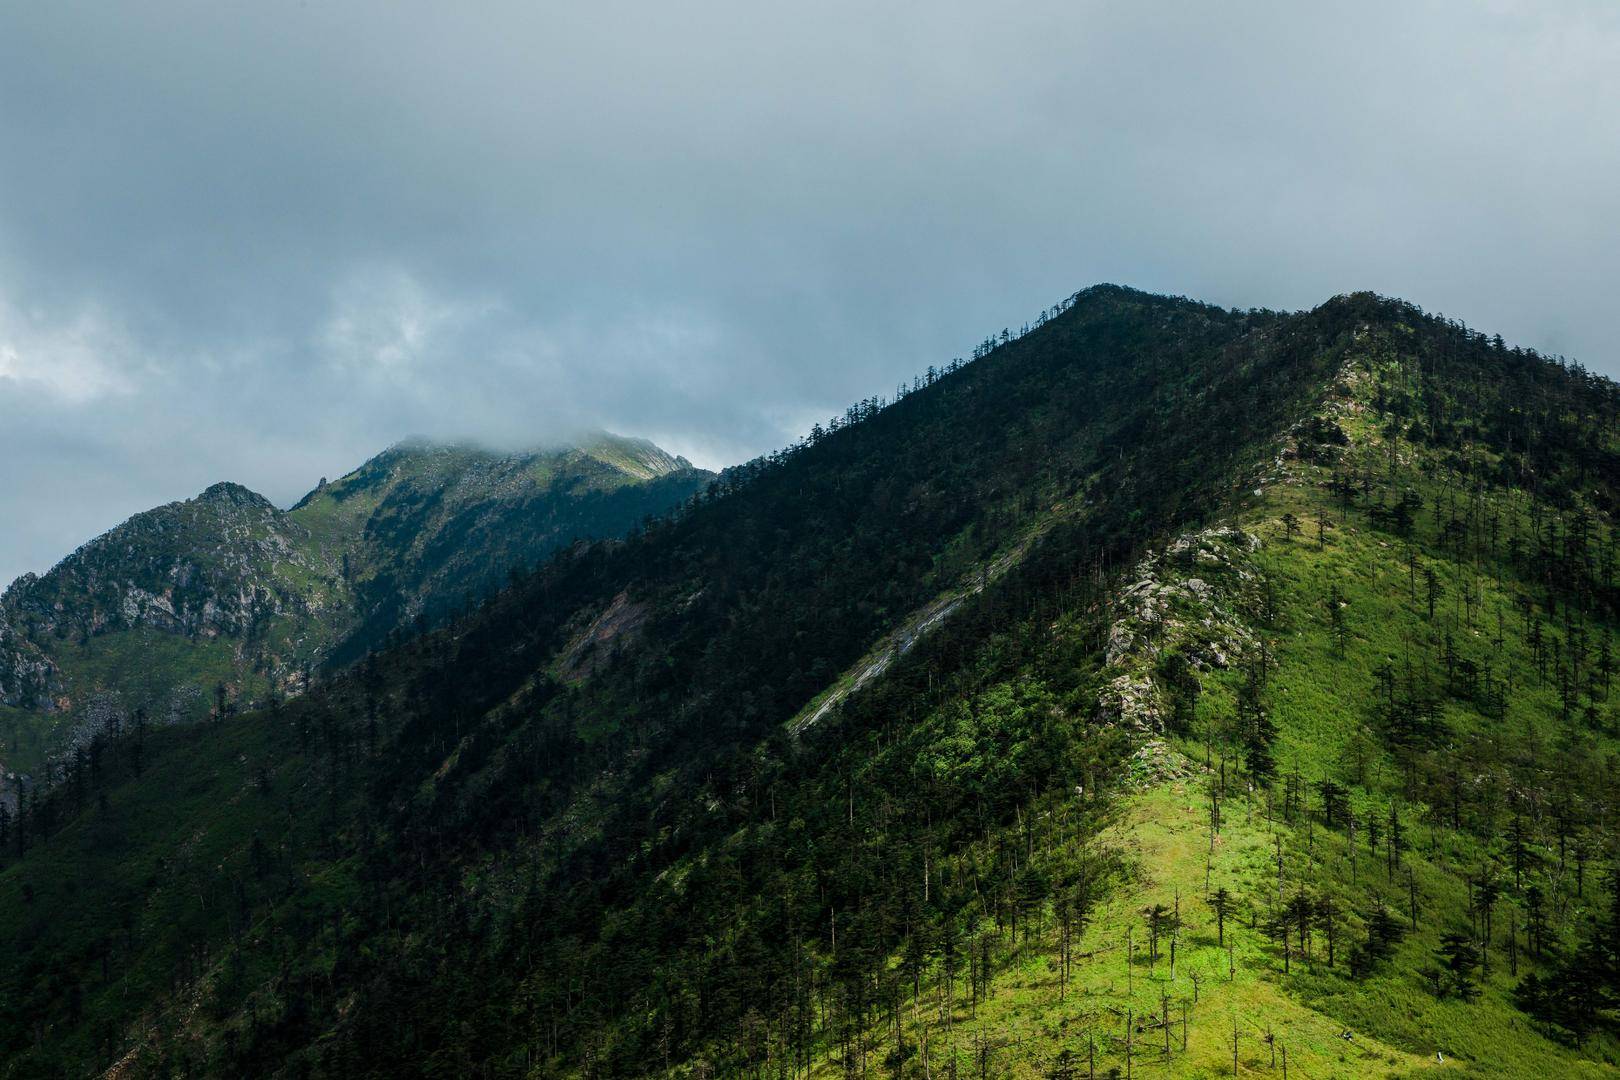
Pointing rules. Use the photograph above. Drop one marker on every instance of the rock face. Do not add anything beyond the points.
(26, 676)
(214, 565)
(228, 589)
(616, 626)
(1187, 601)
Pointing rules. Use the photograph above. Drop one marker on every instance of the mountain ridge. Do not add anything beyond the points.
(1289, 627)
(279, 591)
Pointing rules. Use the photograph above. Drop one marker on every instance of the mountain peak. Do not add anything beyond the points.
(226, 492)
(640, 458)
(418, 529)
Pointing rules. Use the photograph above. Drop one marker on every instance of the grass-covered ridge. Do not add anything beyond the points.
(1372, 645)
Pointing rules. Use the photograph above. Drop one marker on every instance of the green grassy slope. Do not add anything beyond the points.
(1509, 795)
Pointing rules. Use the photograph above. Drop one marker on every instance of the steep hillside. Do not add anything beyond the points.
(1168, 690)
(1367, 826)
(426, 528)
(228, 590)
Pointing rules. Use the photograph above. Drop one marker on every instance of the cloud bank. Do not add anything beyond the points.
(262, 242)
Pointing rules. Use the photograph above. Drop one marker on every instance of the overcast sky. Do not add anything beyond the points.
(260, 242)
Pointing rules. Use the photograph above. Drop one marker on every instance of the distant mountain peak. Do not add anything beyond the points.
(641, 458)
(418, 529)
(226, 492)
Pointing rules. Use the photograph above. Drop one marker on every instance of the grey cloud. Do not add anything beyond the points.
(263, 241)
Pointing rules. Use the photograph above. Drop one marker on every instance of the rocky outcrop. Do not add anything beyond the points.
(27, 677)
(219, 564)
(1188, 599)
(616, 627)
